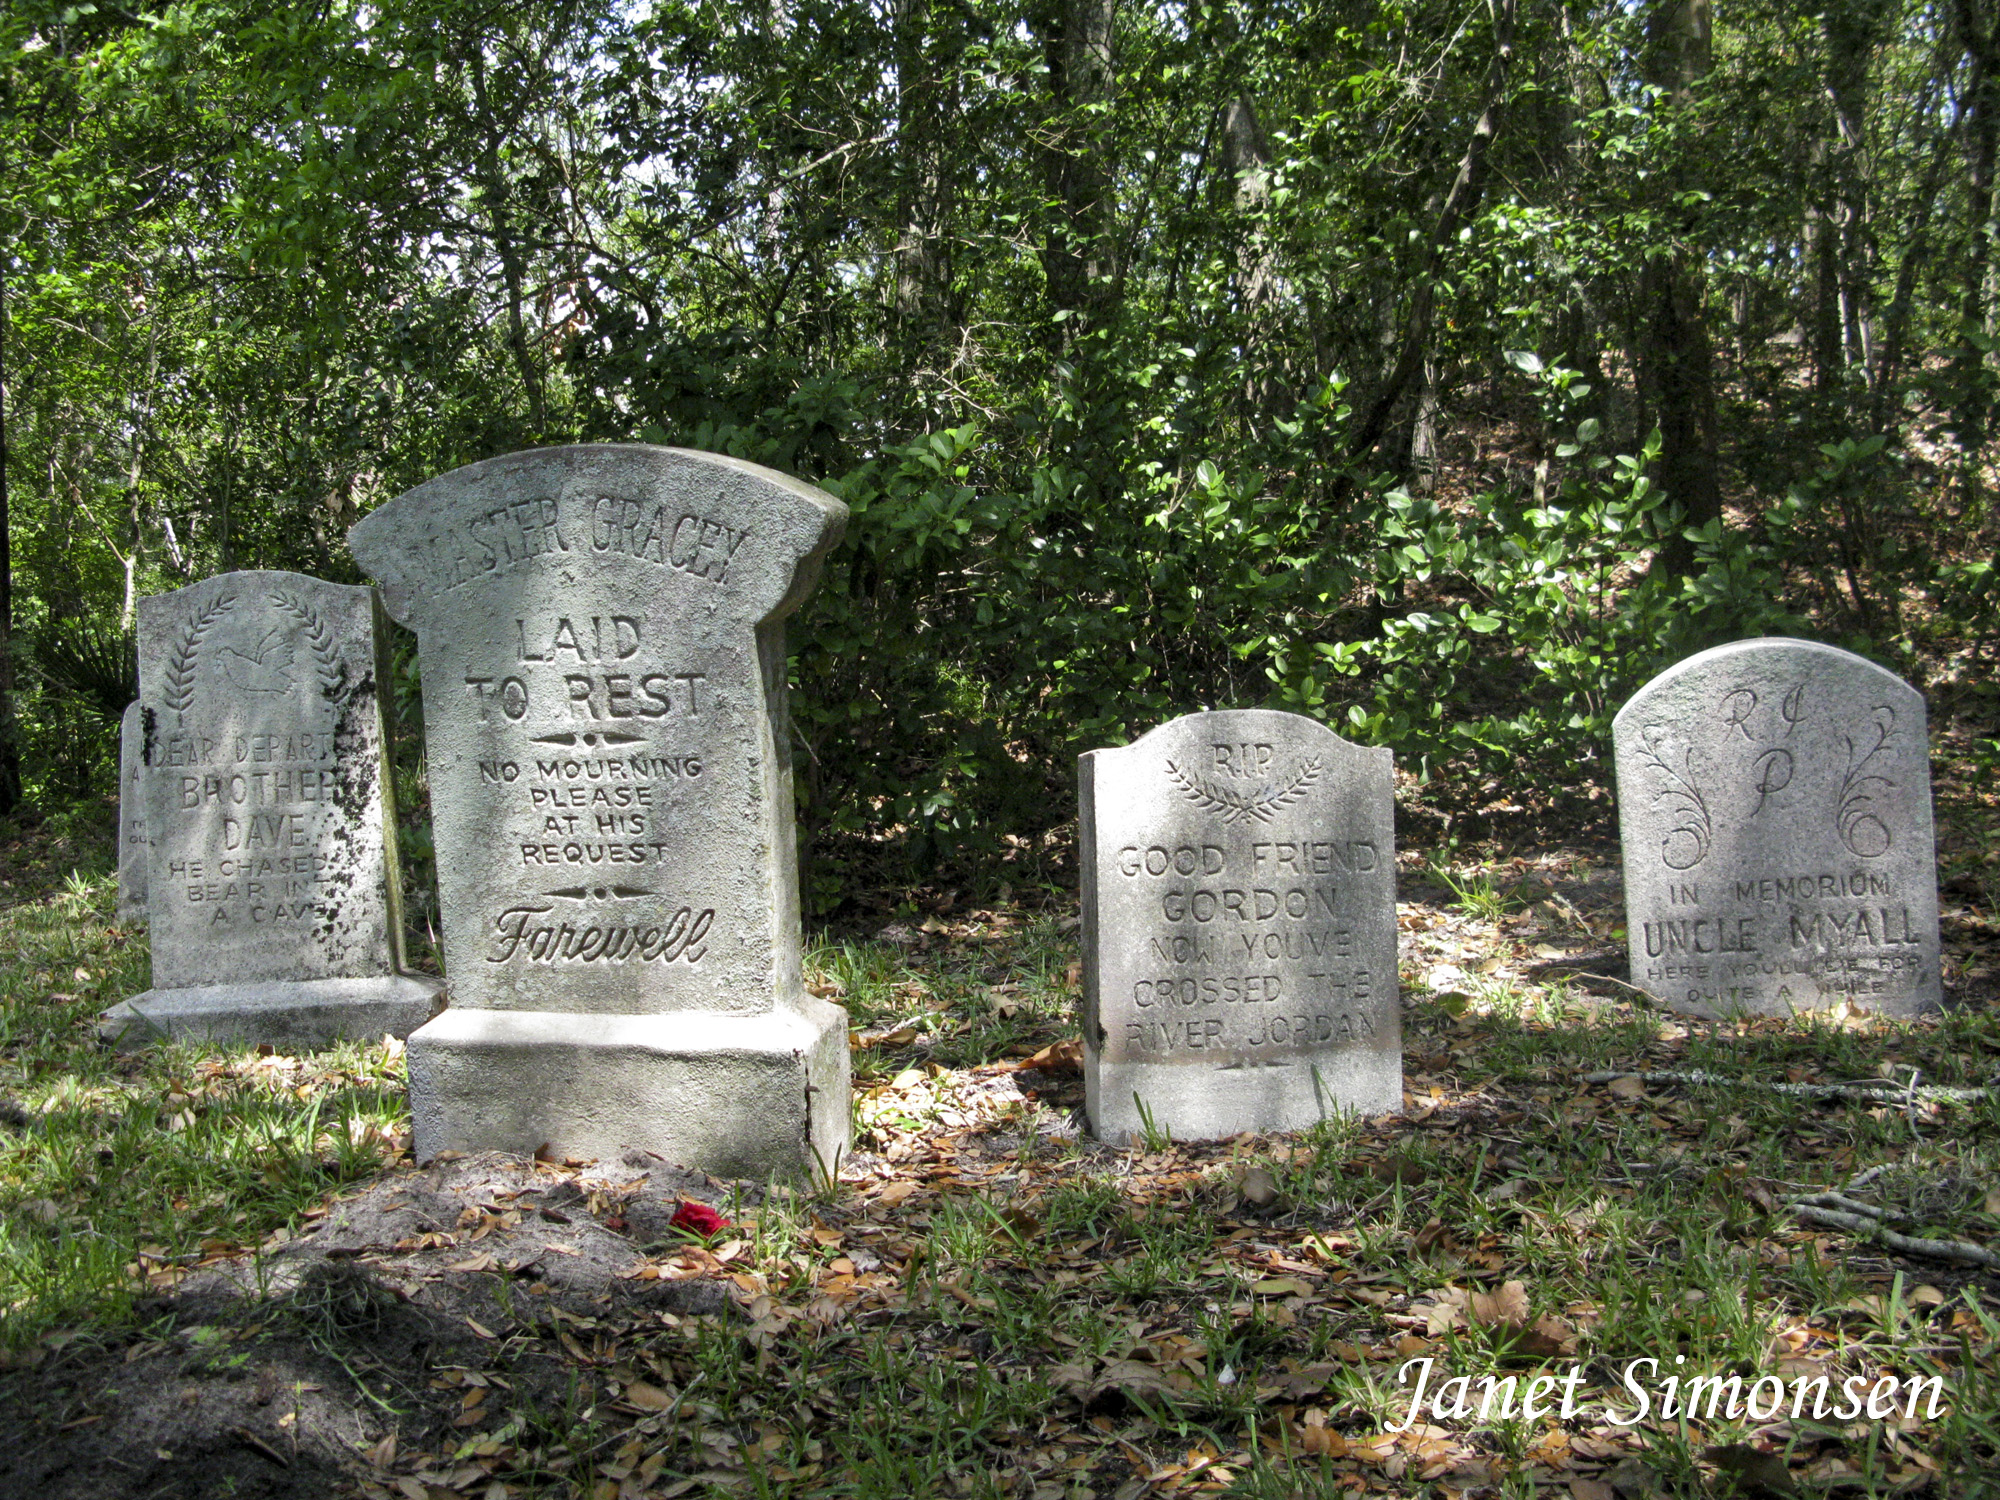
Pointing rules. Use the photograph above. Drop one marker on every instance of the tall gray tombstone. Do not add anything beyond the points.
(1774, 801)
(1239, 928)
(132, 847)
(271, 886)
(601, 632)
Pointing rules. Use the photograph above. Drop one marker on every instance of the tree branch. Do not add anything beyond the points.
(1460, 204)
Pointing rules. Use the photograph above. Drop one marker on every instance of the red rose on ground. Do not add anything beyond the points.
(697, 1217)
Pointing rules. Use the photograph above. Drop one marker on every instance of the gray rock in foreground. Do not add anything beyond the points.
(1775, 808)
(1239, 928)
(601, 632)
(271, 884)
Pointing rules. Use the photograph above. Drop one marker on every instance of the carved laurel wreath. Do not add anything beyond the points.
(180, 665)
(1262, 804)
(332, 670)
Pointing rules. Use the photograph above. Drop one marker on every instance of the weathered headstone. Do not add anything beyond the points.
(1239, 928)
(1774, 799)
(271, 888)
(601, 634)
(132, 848)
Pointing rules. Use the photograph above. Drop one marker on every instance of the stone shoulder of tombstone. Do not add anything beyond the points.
(601, 630)
(1239, 928)
(271, 882)
(132, 847)
(1774, 806)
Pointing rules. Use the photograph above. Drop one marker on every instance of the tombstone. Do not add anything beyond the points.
(271, 884)
(1774, 801)
(602, 641)
(132, 847)
(1239, 928)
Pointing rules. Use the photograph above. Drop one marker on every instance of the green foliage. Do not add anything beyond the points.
(1090, 352)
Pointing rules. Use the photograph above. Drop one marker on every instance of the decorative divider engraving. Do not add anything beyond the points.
(1263, 805)
(319, 640)
(1240, 944)
(1687, 841)
(178, 689)
(1861, 830)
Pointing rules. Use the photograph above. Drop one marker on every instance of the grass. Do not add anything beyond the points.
(113, 1167)
(987, 1305)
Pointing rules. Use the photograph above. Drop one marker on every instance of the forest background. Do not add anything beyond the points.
(1440, 368)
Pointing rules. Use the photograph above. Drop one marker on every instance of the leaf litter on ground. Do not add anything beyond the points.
(980, 1300)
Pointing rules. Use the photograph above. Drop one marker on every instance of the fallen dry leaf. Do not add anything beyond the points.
(1258, 1187)
(1750, 1471)
(1506, 1309)
(650, 1397)
(1057, 1057)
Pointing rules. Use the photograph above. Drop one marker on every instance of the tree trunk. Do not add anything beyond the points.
(493, 183)
(1853, 29)
(1916, 250)
(1461, 202)
(923, 318)
(1077, 258)
(10, 754)
(135, 455)
(1246, 167)
(1979, 34)
(1674, 353)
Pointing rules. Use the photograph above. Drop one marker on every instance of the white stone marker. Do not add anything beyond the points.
(132, 846)
(1774, 801)
(1239, 928)
(601, 634)
(271, 888)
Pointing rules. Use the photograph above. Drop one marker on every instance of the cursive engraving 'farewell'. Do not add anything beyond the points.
(517, 933)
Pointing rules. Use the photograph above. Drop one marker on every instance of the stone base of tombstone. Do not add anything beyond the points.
(739, 1096)
(1198, 1103)
(297, 1014)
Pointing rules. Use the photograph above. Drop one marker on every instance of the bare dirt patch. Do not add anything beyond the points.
(386, 1325)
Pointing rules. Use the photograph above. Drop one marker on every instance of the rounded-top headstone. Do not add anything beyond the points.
(1239, 928)
(1775, 809)
(271, 884)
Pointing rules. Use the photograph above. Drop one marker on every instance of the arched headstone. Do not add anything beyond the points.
(1774, 801)
(1239, 928)
(271, 887)
(602, 644)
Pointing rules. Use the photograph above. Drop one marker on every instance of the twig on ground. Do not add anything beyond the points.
(1880, 1089)
(1866, 1228)
(1643, 997)
(1838, 1201)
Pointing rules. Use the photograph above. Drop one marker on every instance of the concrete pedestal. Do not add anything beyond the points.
(741, 1096)
(295, 1014)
